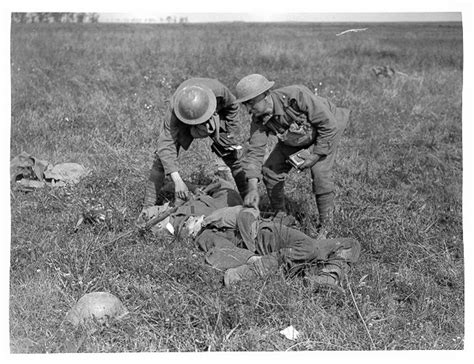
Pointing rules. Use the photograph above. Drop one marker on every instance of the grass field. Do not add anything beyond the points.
(95, 94)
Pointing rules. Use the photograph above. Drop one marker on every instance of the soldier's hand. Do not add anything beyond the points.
(147, 214)
(181, 191)
(309, 161)
(252, 199)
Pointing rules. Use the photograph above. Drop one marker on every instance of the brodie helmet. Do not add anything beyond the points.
(194, 104)
(251, 86)
(96, 305)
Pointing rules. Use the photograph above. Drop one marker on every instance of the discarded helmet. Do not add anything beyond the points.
(98, 305)
(194, 104)
(251, 86)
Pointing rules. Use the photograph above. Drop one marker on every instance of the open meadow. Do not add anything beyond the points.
(96, 94)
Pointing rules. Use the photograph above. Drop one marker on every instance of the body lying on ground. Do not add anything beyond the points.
(238, 240)
(246, 246)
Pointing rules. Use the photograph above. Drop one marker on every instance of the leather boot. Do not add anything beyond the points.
(154, 183)
(329, 277)
(235, 275)
(325, 204)
(324, 282)
(257, 266)
(275, 192)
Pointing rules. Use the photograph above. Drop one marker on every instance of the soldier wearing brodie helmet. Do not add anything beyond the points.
(308, 128)
(200, 108)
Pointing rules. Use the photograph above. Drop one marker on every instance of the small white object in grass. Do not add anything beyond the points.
(290, 333)
(170, 228)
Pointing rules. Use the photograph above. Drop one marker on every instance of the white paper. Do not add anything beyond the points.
(170, 228)
(290, 333)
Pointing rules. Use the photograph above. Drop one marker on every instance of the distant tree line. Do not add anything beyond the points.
(174, 19)
(55, 17)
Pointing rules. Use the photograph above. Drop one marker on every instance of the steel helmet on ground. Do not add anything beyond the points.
(251, 86)
(194, 104)
(96, 305)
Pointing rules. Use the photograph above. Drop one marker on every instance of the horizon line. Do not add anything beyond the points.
(147, 21)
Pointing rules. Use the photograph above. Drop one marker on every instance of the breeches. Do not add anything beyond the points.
(275, 169)
(295, 249)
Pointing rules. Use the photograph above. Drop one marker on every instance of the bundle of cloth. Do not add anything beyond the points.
(29, 172)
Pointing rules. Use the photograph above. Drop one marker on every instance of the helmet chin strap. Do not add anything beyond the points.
(199, 131)
(268, 114)
(207, 128)
(265, 118)
(268, 99)
(213, 125)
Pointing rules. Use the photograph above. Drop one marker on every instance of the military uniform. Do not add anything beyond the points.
(300, 120)
(275, 244)
(203, 204)
(175, 135)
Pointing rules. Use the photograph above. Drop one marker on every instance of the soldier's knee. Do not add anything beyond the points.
(206, 240)
(157, 170)
(155, 174)
(272, 177)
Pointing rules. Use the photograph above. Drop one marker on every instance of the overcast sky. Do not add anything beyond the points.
(279, 10)
(259, 10)
(151, 16)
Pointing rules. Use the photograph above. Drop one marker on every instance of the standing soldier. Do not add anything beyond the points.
(308, 128)
(200, 108)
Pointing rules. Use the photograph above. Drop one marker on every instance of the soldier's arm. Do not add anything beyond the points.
(229, 112)
(321, 118)
(257, 145)
(167, 151)
(165, 160)
(167, 148)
